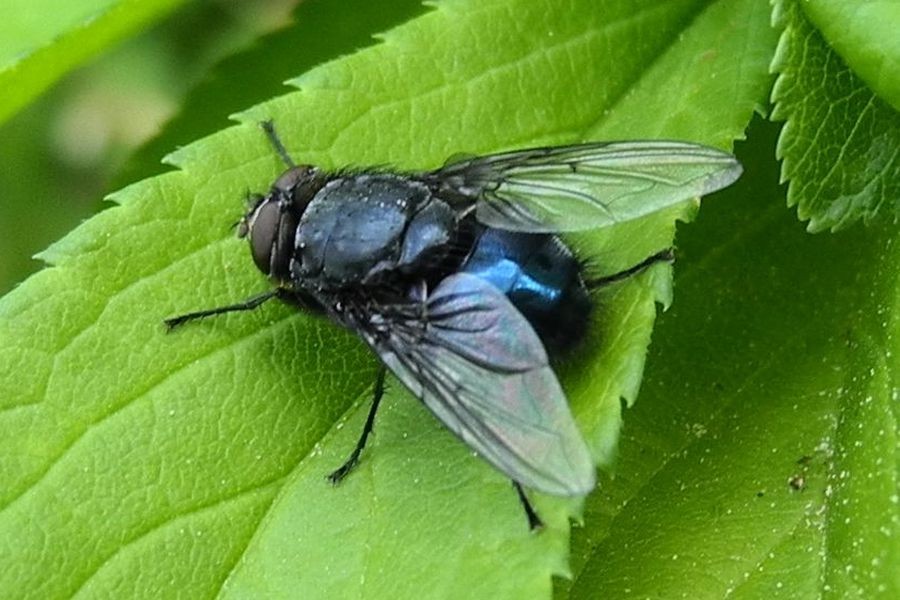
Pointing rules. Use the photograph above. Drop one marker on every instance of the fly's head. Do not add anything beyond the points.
(271, 222)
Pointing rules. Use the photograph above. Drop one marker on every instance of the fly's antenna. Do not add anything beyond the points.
(269, 128)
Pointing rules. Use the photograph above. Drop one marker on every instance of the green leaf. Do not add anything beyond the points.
(840, 141)
(137, 463)
(864, 34)
(40, 41)
(762, 459)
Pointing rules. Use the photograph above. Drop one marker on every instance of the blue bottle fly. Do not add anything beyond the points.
(457, 279)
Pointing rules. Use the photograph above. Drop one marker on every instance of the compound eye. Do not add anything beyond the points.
(263, 229)
(293, 177)
(254, 201)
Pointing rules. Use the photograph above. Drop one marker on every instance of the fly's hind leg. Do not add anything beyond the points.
(667, 255)
(338, 475)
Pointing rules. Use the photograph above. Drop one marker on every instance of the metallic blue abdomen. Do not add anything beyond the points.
(540, 276)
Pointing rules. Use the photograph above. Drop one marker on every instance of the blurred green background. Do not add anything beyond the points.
(65, 152)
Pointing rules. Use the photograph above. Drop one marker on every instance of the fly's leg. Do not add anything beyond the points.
(248, 304)
(667, 255)
(338, 475)
(534, 521)
(423, 307)
(418, 301)
(423, 300)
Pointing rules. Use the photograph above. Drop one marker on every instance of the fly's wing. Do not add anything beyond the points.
(475, 361)
(585, 186)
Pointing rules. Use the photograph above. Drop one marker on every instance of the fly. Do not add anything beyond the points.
(457, 280)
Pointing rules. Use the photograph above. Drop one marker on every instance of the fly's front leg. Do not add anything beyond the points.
(248, 304)
(338, 475)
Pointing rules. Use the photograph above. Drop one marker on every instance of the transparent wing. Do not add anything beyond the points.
(585, 186)
(475, 361)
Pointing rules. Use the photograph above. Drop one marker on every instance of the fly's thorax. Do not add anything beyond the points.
(270, 225)
(365, 228)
